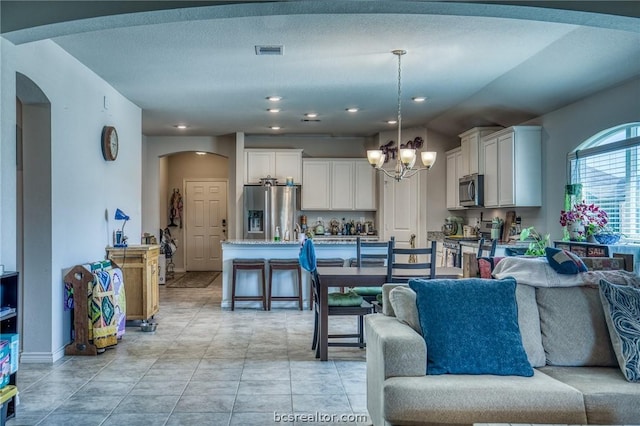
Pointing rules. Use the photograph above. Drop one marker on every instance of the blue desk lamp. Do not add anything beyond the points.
(119, 239)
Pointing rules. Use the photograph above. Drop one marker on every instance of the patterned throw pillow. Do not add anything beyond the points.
(486, 265)
(622, 311)
(564, 262)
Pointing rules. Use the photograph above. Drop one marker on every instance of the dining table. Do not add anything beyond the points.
(355, 277)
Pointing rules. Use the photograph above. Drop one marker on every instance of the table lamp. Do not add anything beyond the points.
(119, 239)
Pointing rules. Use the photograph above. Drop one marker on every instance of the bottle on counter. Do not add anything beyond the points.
(276, 236)
(287, 236)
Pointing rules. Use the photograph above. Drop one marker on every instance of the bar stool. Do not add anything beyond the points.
(248, 265)
(284, 265)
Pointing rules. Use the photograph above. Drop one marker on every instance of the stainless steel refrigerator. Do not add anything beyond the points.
(268, 207)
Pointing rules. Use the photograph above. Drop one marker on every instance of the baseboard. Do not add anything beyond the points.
(41, 357)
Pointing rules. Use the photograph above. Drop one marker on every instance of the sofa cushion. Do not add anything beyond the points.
(470, 326)
(608, 397)
(564, 262)
(403, 302)
(529, 323)
(464, 399)
(574, 331)
(621, 306)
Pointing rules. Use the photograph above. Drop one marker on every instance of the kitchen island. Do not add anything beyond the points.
(248, 282)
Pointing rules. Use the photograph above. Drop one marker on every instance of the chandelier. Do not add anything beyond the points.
(406, 158)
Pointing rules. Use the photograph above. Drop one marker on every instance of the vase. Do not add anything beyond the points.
(576, 231)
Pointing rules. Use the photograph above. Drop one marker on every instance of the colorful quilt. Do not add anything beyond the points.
(102, 311)
(106, 304)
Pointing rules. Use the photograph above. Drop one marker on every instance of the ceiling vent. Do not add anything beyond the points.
(310, 120)
(277, 50)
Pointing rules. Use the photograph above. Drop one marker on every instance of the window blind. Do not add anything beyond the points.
(609, 176)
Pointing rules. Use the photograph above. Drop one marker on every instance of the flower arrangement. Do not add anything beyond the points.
(591, 216)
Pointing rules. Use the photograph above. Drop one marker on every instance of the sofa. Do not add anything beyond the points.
(576, 375)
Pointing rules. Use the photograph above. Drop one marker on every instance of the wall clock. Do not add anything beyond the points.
(109, 143)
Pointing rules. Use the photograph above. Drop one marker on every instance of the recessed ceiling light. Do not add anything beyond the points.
(275, 127)
(200, 153)
(311, 115)
(352, 109)
(274, 98)
(419, 99)
(392, 121)
(273, 109)
(180, 126)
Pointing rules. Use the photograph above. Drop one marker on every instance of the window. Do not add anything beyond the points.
(607, 167)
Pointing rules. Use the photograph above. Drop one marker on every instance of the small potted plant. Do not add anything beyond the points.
(537, 242)
(583, 220)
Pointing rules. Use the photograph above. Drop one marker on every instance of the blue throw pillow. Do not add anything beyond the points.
(565, 262)
(471, 326)
(622, 311)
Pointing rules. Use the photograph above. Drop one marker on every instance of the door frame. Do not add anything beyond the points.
(185, 213)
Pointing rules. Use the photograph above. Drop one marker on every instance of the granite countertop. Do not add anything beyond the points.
(318, 240)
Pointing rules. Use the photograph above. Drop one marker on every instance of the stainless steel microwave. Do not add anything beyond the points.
(471, 190)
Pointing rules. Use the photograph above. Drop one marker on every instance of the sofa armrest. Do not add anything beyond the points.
(393, 348)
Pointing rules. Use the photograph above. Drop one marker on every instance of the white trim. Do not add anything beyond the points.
(41, 357)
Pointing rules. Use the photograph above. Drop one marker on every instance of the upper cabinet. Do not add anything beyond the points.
(472, 161)
(512, 163)
(277, 163)
(454, 173)
(338, 184)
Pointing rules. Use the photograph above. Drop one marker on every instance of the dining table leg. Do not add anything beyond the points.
(324, 322)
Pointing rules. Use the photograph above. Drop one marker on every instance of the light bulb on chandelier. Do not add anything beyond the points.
(406, 158)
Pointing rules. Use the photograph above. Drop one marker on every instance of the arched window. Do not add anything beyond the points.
(607, 167)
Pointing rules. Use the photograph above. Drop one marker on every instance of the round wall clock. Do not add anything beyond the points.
(109, 143)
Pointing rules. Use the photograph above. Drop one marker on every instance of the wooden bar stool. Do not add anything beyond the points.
(248, 265)
(285, 265)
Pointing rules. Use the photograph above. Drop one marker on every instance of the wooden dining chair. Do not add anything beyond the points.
(370, 254)
(489, 249)
(343, 304)
(402, 272)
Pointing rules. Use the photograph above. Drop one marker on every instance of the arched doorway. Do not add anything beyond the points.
(33, 216)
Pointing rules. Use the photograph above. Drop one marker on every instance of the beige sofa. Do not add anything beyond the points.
(576, 378)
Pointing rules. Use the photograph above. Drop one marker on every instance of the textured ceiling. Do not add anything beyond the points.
(476, 64)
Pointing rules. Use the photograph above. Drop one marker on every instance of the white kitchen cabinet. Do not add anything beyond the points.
(316, 190)
(365, 188)
(277, 163)
(338, 184)
(454, 173)
(513, 167)
(472, 161)
(342, 185)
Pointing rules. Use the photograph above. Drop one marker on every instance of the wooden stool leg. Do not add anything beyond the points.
(299, 288)
(270, 288)
(233, 289)
(264, 290)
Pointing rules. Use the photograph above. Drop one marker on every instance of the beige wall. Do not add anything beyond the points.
(188, 165)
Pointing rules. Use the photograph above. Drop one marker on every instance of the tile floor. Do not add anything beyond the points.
(203, 366)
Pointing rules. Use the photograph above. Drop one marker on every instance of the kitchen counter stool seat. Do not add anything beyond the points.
(241, 264)
(284, 265)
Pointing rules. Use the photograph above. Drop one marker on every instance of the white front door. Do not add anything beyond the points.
(206, 224)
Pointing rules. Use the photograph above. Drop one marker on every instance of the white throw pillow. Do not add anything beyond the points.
(403, 302)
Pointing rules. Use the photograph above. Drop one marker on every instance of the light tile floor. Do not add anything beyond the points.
(203, 366)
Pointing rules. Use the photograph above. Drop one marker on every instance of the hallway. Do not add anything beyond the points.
(203, 366)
